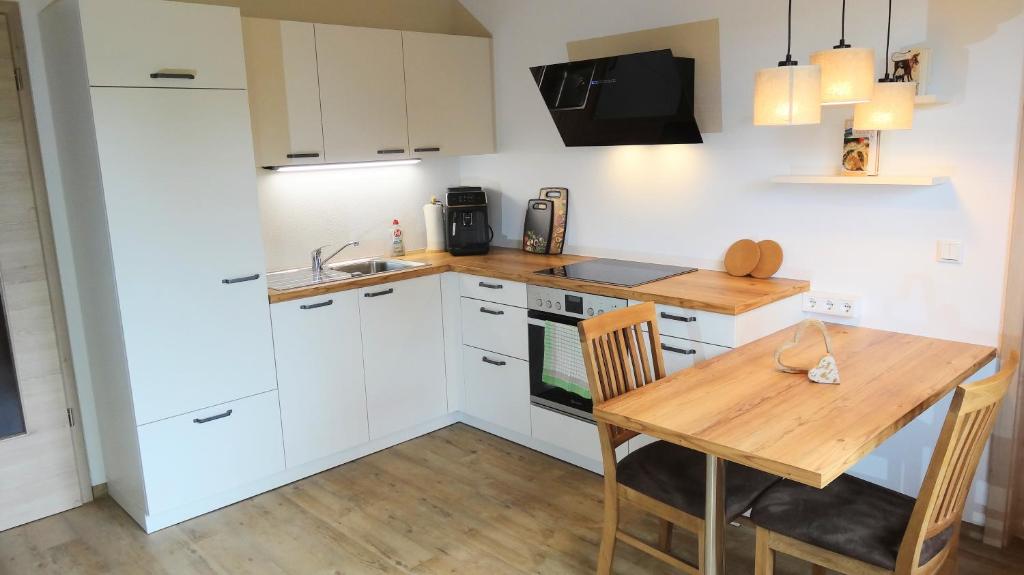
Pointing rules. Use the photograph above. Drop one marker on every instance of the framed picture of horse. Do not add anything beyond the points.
(913, 65)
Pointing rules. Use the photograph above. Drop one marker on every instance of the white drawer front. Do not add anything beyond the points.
(681, 353)
(128, 40)
(185, 460)
(490, 289)
(497, 389)
(709, 327)
(566, 432)
(495, 327)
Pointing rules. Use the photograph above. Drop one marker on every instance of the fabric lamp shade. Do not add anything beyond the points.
(891, 108)
(787, 96)
(847, 75)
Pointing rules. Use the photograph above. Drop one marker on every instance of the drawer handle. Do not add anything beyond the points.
(684, 319)
(496, 362)
(391, 151)
(214, 417)
(380, 293)
(679, 350)
(434, 149)
(253, 277)
(172, 76)
(316, 305)
(303, 155)
(492, 311)
(491, 286)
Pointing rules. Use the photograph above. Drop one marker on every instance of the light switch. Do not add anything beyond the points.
(950, 252)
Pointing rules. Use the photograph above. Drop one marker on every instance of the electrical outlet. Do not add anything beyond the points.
(949, 252)
(840, 305)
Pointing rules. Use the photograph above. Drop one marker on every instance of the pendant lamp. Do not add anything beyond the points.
(892, 105)
(847, 73)
(789, 94)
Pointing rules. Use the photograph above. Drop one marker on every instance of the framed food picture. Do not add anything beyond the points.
(913, 65)
(860, 151)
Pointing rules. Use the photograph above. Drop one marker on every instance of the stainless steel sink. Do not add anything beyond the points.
(370, 267)
(341, 271)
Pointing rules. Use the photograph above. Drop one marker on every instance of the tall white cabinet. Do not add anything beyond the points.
(154, 138)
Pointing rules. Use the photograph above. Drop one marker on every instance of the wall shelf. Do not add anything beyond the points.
(928, 100)
(863, 180)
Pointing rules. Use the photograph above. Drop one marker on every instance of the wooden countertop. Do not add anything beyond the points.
(705, 290)
(736, 406)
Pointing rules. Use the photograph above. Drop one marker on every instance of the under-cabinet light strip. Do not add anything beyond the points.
(345, 166)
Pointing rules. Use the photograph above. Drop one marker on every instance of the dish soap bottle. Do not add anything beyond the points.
(397, 242)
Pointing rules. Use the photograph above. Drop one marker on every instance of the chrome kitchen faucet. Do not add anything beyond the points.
(318, 261)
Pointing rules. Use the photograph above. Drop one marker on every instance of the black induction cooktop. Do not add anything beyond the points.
(616, 272)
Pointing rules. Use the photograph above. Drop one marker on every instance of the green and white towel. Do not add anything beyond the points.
(563, 360)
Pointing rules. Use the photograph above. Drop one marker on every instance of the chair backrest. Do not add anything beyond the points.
(620, 358)
(968, 424)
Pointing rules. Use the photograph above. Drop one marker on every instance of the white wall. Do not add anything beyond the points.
(686, 204)
(308, 209)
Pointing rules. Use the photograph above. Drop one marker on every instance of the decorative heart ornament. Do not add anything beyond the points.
(826, 371)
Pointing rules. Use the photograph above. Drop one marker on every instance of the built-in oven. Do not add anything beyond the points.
(558, 378)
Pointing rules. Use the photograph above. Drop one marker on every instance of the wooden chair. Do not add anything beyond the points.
(856, 527)
(663, 479)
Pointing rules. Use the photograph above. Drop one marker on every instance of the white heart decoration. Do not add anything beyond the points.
(826, 372)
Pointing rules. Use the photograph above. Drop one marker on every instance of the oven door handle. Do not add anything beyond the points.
(538, 318)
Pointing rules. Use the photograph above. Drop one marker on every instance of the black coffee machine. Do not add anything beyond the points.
(467, 230)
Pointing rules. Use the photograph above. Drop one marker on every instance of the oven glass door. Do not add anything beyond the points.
(558, 378)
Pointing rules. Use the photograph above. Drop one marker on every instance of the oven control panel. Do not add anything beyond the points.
(569, 303)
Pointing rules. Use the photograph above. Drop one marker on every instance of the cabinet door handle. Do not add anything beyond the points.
(491, 286)
(380, 293)
(684, 319)
(316, 305)
(492, 311)
(214, 417)
(391, 151)
(303, 155)
(172, 76)
(253, 277)
(496, 362)
(433, 149)
(679, 350)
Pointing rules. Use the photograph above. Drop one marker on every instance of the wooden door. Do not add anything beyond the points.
(362, 93)
(184, 224)
(284, 92)
(450, 89)
(403, 354)
(39, 459)
(319, 352)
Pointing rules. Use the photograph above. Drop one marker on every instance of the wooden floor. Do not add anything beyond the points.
(455, 501)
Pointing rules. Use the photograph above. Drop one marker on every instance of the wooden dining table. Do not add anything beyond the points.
(738, 407)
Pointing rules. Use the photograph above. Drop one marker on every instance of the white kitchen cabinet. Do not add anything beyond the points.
(127, 42)
(362, 93)
(187, 251)
(494, 290)
(284, 92)
(495, 327)
(403, 354)
(450, 93)
(203, 453)
(497, 389)
(681, 353)
(319, 351)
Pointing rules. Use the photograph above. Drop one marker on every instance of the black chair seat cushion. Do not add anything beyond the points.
(852, 517)
(676, 476)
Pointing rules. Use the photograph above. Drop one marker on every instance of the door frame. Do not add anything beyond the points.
(34, 154)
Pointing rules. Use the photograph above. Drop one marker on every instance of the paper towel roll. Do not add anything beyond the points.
(433, 216)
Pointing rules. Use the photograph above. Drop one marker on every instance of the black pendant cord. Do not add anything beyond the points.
(789, 61)
(888, 36)
(842, 31)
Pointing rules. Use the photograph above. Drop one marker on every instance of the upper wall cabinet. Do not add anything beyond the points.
(281, 65)
(450, 94)
(322, 93)
(362, 93)
(194, 46)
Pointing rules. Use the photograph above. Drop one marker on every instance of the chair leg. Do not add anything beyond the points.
(665, 536)
(701, 565)
(764, 558)
(606, 555)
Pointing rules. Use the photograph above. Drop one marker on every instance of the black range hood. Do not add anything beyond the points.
(644, 98)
